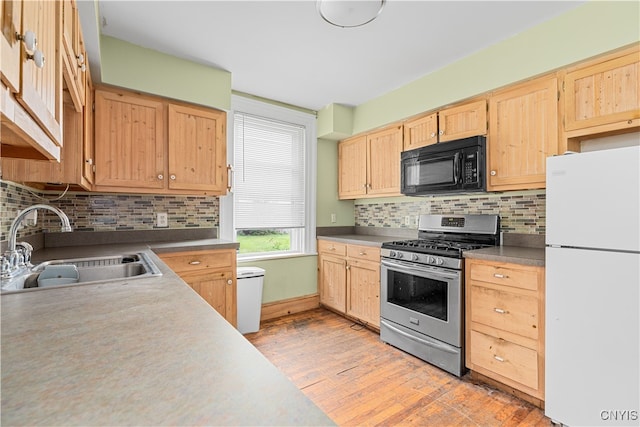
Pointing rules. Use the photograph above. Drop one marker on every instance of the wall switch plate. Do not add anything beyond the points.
(334, 218)
(407, 220)
(162, 219)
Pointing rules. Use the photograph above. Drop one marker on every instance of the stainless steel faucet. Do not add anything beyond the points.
(15, 261)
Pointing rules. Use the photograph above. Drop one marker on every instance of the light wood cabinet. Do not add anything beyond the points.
(456, 122)
(31, 97)
(369, 165)
(601, 98)
(74, 55)
(505, 324)
(523, 132)
(212, 274)
(129, 143)
(197, 149)
(148, 144)
(349, 280)
(75, 167)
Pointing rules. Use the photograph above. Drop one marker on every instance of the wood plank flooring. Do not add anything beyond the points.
(358, 380)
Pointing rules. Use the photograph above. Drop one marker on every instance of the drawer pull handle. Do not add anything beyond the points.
(194, 262)
(363, 253)
(500, 276)
(499, 310)
(332, 248)
(498, 358)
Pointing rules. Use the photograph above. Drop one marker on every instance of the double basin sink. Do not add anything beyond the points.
(79, 271)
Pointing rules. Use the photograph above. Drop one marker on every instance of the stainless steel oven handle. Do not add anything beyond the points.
(423, 341)
(411, 269)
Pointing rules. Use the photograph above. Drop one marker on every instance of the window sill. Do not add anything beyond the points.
(269, 257)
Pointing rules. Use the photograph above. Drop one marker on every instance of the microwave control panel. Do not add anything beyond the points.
(470, 169)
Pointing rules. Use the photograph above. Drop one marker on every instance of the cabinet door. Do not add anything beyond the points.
(197, 149)
(523, 132)
(420, 132)
(41, 88)
(352, 167)
(463, 121)
(605, 93)
(71, 51)
(88, 158)
(384, 148)
(216, 288)
(333, 283)
(363, 295)
(10, 18)
(129, 141)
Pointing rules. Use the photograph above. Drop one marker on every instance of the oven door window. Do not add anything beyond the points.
(425, 295)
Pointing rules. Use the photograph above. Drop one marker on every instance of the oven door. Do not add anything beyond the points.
(423, 298)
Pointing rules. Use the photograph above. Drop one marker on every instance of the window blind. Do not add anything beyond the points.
(269, 179)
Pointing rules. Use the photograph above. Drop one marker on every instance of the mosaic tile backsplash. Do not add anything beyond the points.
(520, 212)
(106, 212)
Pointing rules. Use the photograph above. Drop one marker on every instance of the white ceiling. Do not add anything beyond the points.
(283, 50)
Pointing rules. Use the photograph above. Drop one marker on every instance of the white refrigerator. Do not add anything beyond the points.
(592, 348)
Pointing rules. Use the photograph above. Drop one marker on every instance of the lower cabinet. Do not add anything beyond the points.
(349, 280)
(505, 324)
(212, 274)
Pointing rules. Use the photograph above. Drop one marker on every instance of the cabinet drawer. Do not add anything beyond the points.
(505, 358)
(507, 311)
(333, 248)
(194, 261)
(516, 276)
(369, 253)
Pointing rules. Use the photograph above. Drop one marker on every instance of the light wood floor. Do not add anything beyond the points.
(358, 380)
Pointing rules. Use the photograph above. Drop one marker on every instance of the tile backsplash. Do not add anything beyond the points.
(520, 212)
(106, 212)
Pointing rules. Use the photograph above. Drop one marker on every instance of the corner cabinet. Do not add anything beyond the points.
(523, 132)
(31, 97)
(369, 165)
(505, 324)
(148, 144)
(212, 274)
(349, 280)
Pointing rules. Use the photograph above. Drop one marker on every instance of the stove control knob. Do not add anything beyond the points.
(431, 260)
(439, 261)
(415, 257)
(392, 254)
(399, 255)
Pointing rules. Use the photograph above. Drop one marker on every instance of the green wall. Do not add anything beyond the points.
(327, 189)
(146, 70)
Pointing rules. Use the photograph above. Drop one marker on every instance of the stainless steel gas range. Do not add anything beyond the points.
(422, 295)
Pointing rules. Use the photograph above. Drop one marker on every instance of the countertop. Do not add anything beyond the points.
(513, 254)
(360, 239)
(138, 352)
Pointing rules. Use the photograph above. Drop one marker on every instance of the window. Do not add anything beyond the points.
(271, 210)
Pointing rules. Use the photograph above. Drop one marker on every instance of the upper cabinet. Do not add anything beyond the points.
(457, 122)
(605, 93)
(153, 145)
(369, 165)
(523, 132)
(31, 99)
(74, 55)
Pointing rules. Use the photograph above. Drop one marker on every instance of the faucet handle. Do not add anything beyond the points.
(25, 249)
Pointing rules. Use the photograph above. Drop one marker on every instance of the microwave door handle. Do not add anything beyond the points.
(456, 167)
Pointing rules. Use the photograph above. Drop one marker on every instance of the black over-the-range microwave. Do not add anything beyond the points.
(447, 167)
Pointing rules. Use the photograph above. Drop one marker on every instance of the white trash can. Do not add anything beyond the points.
(250, 283)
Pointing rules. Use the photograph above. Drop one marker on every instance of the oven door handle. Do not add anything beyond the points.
(423, 341)
(410, 269)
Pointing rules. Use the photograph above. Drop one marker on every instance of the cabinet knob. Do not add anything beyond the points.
(172, 177)
(348, 267)
(229, 282)
(433, 134)
(29, 39)
(80, 59)
(441, 132)
(194, 262)
(89, 161)
(37, 58)
(494, 173)
(160, 176)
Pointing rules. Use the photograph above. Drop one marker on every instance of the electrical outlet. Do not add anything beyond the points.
(417, 220)
(162, 219)
(334, 218)
(407, 220)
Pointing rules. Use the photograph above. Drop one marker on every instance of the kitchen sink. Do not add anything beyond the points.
(80, 271)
